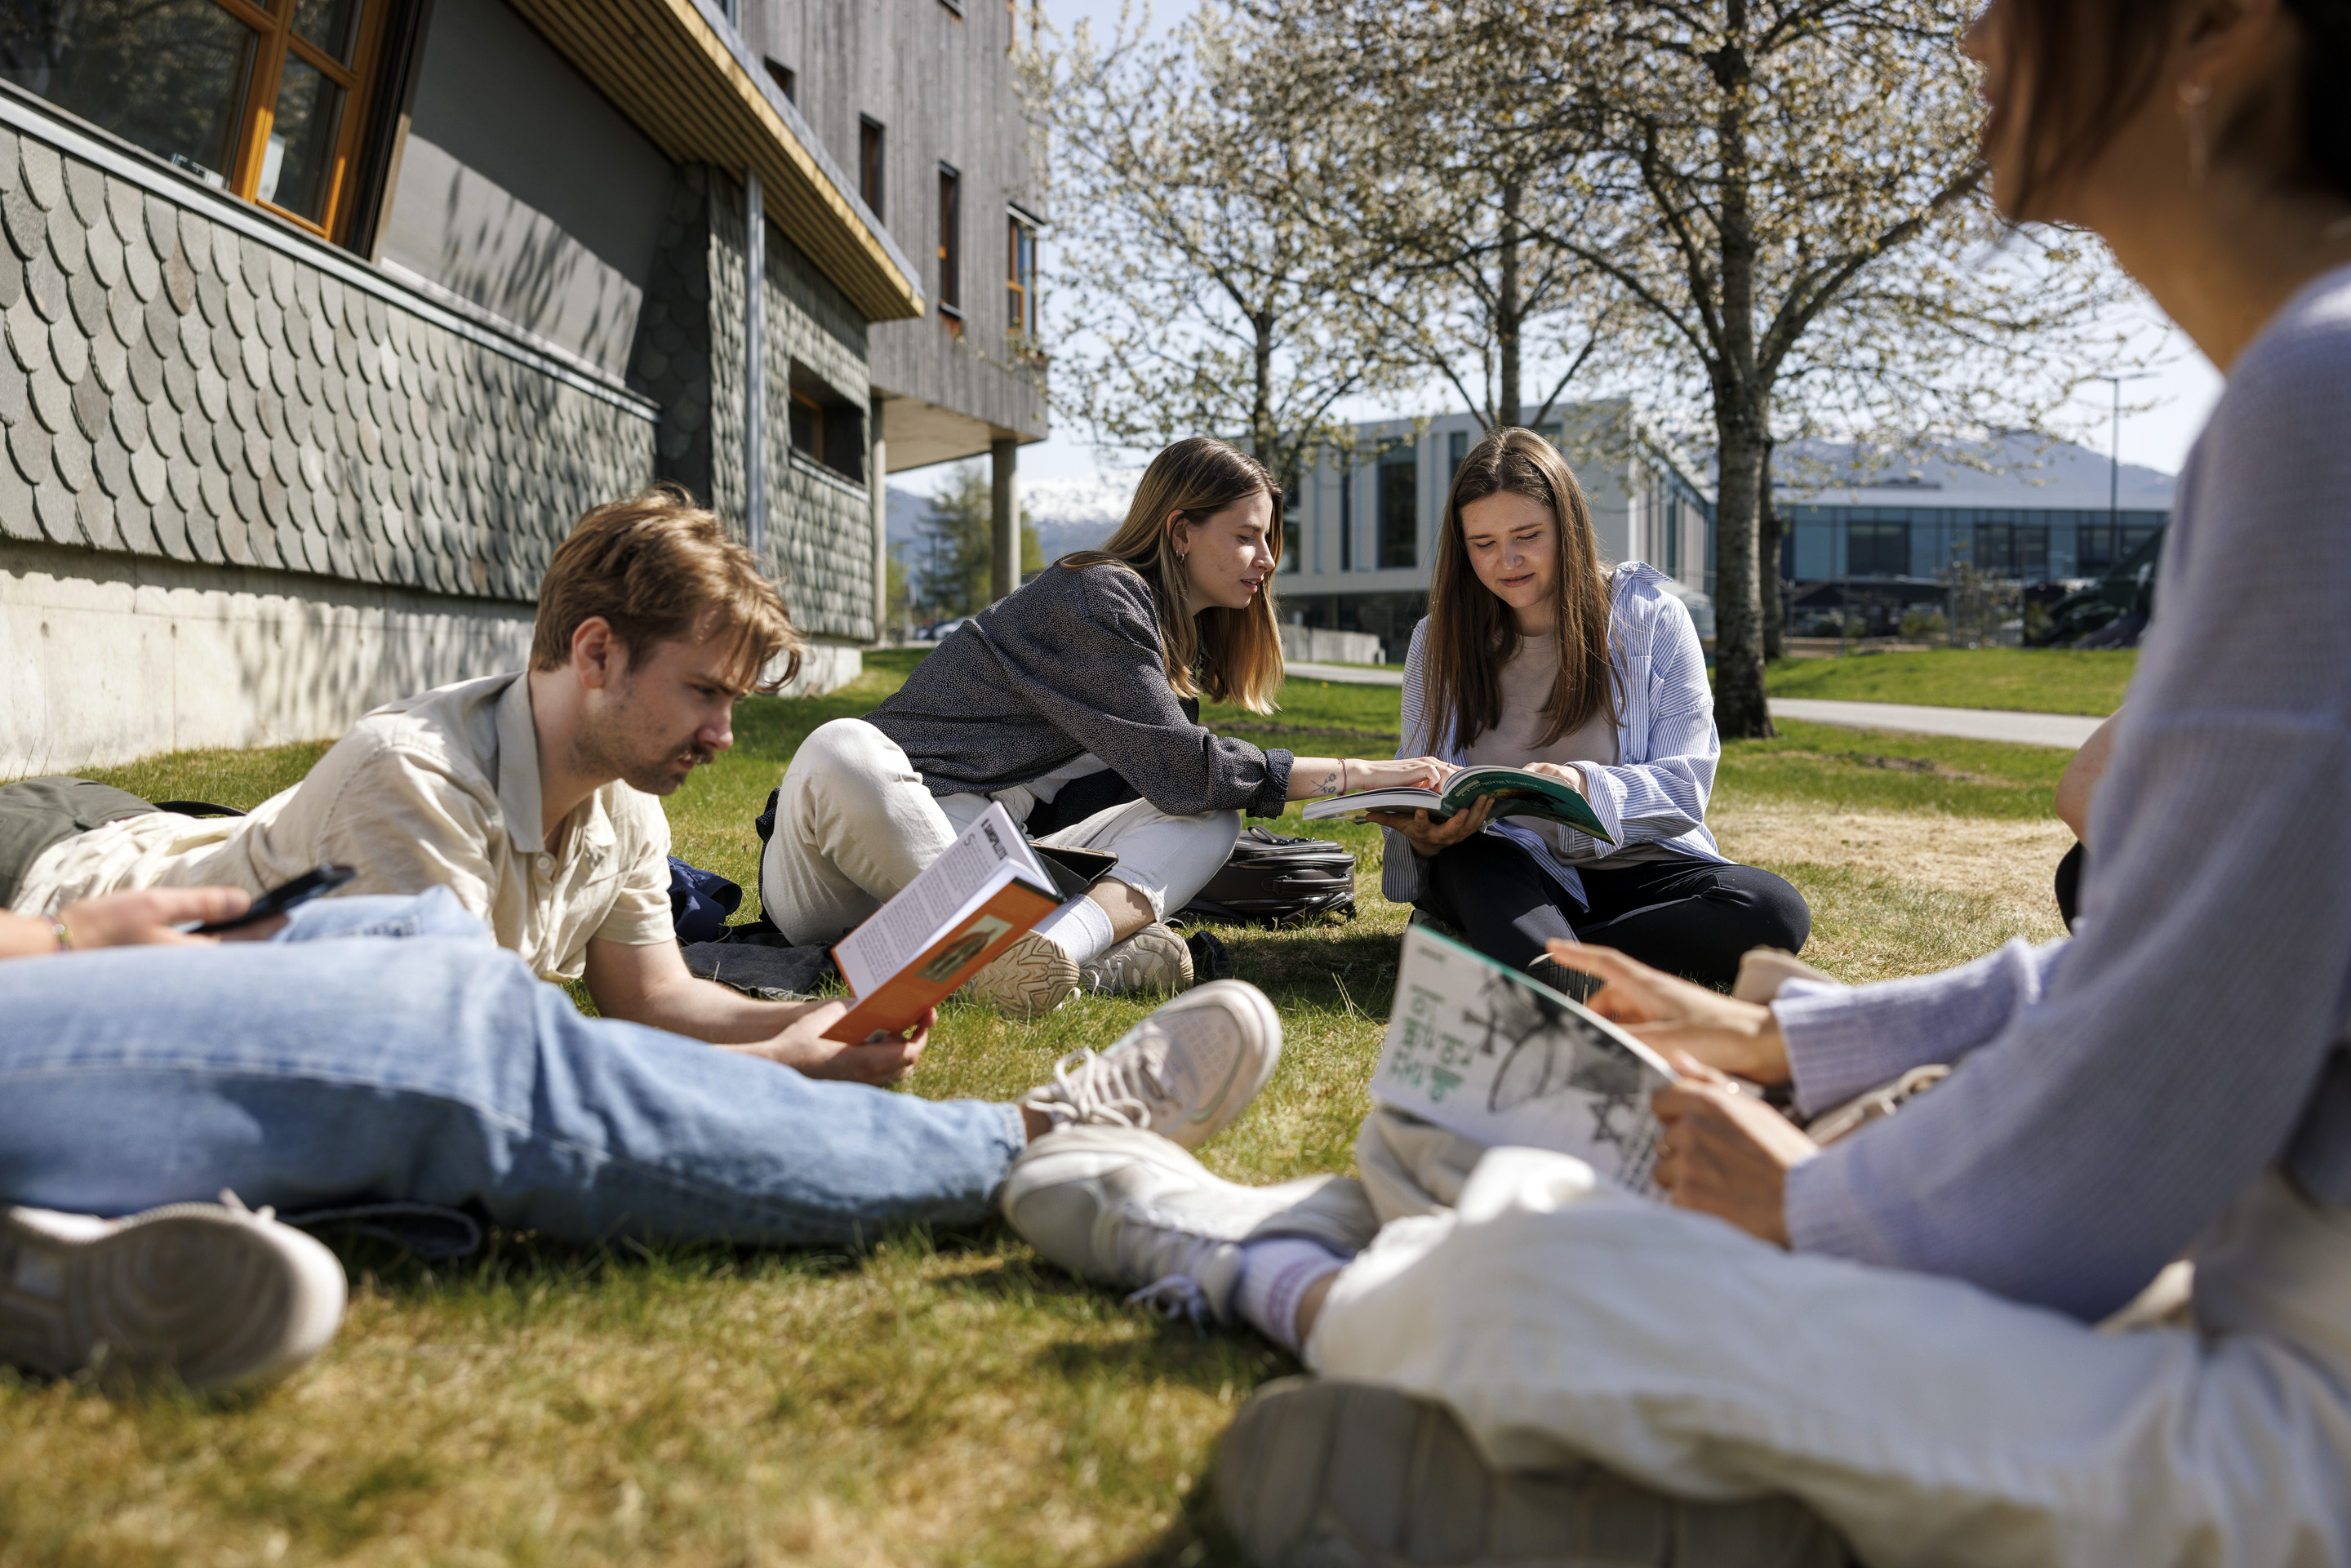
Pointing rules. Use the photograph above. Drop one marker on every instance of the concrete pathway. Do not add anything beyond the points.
(2067, 730)
(1348, 674)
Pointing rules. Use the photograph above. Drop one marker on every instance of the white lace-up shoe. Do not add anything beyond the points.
(1184, 1073)
(1153, 959)
(1128, 1208)
(216, 1295)
(1028, 979)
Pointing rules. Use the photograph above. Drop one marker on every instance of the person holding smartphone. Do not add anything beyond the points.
(154, 1082)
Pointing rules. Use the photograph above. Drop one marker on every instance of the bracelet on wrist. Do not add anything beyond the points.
(64, 935)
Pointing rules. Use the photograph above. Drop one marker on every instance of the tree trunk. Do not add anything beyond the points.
(1741, 712)
(1261, 433)
(1767, 555)
(1506, 313)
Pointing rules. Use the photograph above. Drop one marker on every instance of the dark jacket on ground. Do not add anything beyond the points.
(1070, 665)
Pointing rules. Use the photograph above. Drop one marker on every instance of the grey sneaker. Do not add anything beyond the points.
(1153, 959)
(1184, 1073)
(1128, 1208)
(1028, 979)
(1348, 1475)
(214, 1294)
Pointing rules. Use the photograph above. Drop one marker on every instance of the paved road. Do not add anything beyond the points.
(1349, 674)
(2067, 730)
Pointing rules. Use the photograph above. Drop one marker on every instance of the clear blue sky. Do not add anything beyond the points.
(2162, 412)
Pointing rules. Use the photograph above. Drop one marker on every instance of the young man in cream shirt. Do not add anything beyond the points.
(531, 796)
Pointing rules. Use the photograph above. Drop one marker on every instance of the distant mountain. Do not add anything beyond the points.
(1068, 514)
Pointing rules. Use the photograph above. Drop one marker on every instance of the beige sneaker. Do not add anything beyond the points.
(213, 1294)
(1184, 1073)
(1153, 959)
(1028, 979)
(1127, 1207)
(1349, 1475)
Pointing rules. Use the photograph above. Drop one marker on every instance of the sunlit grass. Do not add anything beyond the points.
(933, 1399)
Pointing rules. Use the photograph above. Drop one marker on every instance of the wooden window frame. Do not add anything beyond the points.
(951, 248)
(274, 38)
(1020, 289)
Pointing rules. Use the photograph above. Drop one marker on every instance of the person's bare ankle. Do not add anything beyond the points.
(1310, 1307)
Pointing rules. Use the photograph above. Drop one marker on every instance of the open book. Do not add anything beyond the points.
(1496, 1056)
(942, 927)
(1516, 792)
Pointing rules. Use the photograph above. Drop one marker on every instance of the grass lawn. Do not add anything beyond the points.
(2028, 680)
(933, 1399)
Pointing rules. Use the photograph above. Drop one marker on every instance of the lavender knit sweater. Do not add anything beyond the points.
(2117, 1091)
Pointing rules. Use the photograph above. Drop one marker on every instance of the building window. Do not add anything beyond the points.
(269, 105)
(786, 79)
(951, 249)
(827, 428)
(1020, 276)
(1878, 549)
(1290, 501)
(1457, 452)
(1399, 471)
(1346, 513)
(869, 144)
(2012, 549)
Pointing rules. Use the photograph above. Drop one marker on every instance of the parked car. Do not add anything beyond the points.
(942, 631)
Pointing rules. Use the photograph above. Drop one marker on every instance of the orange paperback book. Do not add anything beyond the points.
(941, 928)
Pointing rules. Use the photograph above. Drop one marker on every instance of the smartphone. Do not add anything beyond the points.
(286, 895)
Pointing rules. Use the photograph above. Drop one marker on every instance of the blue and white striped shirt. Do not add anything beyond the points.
(1665, 743)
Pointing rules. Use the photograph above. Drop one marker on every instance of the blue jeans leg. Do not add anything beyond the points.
(437, 1069)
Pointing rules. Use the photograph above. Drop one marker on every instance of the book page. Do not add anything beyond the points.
(1496, 1057)
(895, 933)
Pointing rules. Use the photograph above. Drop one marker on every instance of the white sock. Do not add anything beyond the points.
(1081, 927)
(1275, 1276)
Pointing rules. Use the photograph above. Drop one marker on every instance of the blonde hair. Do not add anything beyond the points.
(1470, 631)
(1231, 656)
(656, 567)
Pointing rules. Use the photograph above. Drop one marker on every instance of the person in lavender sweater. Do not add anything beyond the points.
(1897, 1330)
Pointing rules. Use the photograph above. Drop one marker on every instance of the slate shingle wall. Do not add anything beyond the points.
(175, 388)
(690, 357)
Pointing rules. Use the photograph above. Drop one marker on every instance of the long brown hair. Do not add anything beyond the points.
(1470, 631)
(1232, 655)
(2080, 69)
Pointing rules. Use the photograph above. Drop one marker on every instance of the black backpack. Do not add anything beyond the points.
(1274, 877)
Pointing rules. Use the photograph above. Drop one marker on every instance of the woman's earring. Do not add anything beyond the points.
(2193, 96)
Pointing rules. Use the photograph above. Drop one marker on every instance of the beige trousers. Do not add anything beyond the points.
(855, 823)
(1929, 1421)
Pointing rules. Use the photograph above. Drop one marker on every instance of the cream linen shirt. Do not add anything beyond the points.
(437, 791)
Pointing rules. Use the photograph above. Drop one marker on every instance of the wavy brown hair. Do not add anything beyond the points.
(1470, 630)
(656, 567)
(1231, 656)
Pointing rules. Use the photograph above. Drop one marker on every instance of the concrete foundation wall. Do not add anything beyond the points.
(113, 657)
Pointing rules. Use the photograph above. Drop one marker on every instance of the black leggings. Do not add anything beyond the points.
(1686, 916)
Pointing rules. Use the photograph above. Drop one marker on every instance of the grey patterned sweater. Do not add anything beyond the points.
(1068, 665)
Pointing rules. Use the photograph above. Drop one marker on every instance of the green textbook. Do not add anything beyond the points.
(1516, 792)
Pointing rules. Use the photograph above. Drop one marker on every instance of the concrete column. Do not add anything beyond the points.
(877, 480)
(1005, 515)
(755, 366)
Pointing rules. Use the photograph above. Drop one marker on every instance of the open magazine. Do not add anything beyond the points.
(1494, 1055)
(1516, 792)
(942, 927)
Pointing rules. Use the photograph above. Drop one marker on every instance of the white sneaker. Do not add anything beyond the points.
(1184, 1073)
(1153, 959)
(1028, 979)
(214, 1294)
(1129, 1207)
